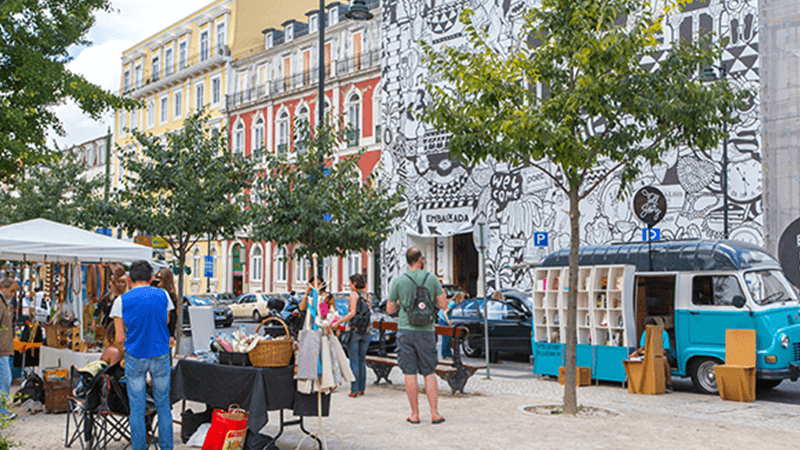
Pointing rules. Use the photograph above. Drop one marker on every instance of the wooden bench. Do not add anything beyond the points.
(454, 372)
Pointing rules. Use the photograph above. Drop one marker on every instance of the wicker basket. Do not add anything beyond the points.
(273, 352)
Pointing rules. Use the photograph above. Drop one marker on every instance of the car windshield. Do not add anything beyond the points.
(769, 286)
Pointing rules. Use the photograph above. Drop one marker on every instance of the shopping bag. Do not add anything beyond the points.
(222, 423)
(326, 381)
(344, 362)
(308, 347)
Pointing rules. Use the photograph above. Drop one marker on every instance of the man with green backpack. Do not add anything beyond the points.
(417, 295)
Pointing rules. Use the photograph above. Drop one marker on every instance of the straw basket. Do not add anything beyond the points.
(273, 352)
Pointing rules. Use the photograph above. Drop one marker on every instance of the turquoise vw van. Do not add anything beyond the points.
(697, 289)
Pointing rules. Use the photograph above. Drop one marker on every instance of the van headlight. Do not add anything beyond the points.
(784, 341)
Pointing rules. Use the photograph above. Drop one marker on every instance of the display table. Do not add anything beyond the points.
(257, 390)
(62, 357)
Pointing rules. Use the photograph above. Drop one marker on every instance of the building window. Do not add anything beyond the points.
(177, 100)
(289, 32)
(169, 61)
(126, 81)
(182, 55)
(283, 132)
(135, 119)
(138, 75)
(280, 265)
(221, 40)
(204, 45)
(312, 23)
(238, 138)
(122, 122)
(164, 110)
(156, 65)
(197, 263)
(151, 113)
(199, 96)
(257, 263)
(216, 90)
(353, 264)
(334, 16)
(213, 253)
(267, 41)
(353, 120)
(258, 137)
(301, 270)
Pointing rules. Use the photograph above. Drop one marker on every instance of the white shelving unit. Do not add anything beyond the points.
(605, 307)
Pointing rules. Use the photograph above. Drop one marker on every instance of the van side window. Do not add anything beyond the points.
(715, 290)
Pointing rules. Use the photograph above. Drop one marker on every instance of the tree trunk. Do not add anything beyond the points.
(179, 306)
(570, 391)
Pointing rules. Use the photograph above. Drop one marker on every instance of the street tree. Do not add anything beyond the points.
(319, 201)
(59, 189)
(605, 113)
(184, 188)
(36, 40)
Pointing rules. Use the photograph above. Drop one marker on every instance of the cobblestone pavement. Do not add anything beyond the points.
(491, 416)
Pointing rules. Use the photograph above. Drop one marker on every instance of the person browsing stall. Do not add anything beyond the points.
(140, 318)
(359, 333)
(416, 344)
(8, 290)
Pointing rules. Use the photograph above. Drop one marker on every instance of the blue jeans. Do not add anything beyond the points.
(136, 372)
(5, 379)
(357, 351)
(447, 342)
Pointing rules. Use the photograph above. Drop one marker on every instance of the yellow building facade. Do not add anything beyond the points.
(181, 69)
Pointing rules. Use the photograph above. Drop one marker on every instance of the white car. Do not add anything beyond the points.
(255, 306)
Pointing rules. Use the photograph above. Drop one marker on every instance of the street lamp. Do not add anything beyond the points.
(710, 75)
(358, 11)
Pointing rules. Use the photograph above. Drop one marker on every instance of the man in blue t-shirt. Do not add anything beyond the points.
(669, 354)
(140, 318)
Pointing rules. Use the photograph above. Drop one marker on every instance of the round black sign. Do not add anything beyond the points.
(649, 205)
(789, 252)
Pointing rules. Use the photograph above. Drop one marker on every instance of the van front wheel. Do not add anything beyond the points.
(703, 376)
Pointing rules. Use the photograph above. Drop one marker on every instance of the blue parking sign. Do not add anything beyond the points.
(655, 234)
(208, 269)
(540, 238)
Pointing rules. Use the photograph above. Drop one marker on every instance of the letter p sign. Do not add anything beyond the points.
(540, 238)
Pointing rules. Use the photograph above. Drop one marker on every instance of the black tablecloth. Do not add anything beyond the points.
(256, 389)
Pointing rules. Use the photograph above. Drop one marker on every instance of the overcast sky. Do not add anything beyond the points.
(130, 22)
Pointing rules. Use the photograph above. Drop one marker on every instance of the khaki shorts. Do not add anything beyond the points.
(416, 352)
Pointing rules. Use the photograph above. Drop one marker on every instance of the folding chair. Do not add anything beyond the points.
(113, 413)
(83, 398)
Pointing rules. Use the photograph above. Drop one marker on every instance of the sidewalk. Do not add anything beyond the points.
(491, 416)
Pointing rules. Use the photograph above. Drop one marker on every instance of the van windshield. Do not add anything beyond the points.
(769, 286)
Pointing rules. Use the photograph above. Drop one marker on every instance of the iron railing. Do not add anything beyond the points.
(150, 76)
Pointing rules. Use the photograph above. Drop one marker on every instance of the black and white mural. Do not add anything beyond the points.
(444, 197)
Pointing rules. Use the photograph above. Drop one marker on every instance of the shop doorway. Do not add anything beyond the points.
(465, 263)
(237, 267)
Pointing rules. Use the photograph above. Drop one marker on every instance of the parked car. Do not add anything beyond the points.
(509, 325)
(342, 300)
(451, 289)
(224, 298)
(223, 317)
(251, 306)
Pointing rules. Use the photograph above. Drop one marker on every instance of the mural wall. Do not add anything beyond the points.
(444, 197)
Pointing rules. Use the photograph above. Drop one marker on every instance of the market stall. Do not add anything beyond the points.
(71, 262)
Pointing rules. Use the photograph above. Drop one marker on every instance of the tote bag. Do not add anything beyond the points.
(308, 345)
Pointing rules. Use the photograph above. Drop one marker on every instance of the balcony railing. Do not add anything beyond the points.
(298, 80)
(150, 76)
(283, 148)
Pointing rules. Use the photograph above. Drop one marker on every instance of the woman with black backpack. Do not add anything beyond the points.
(359, 317)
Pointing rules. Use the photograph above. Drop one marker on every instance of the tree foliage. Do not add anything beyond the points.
(184, 187)
(318, 200)
(35, 39)
(57, 190)
(605, 113)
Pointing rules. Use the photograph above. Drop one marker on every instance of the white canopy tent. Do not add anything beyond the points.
(41, 240)
(45, 241)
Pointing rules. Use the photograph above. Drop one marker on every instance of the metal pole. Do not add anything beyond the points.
(485, 303)
(208, 253)
(108, 167)
(724, 70)
(321, 63)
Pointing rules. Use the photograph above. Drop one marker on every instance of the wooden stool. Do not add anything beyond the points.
(736, 379)
(647, 376)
